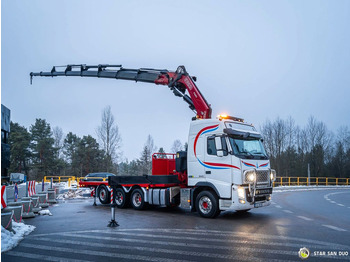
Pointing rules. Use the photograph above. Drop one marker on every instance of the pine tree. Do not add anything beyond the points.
(90, 157)
(20, 153)
(44, 152)
(70, 151)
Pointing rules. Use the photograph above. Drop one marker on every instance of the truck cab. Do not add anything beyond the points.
(227, 158)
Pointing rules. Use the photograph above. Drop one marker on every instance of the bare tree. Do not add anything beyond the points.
(145, 162)
(58, 139)
(177, 146)
(267, 133)
(343, 136)
(291, 132)
(109, 137)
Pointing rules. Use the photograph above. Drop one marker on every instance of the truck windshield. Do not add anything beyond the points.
(248, 149)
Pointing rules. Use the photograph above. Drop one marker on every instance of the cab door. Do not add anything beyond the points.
(217, 166)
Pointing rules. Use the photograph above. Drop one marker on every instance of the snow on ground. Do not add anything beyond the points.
(45, 212)
(305, 188)
(74, 193)
(9, 239)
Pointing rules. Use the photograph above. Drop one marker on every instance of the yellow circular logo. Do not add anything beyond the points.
(304, 253)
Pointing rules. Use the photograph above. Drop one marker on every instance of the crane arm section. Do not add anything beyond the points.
(178, 81)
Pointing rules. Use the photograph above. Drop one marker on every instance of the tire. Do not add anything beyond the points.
(103, 195)
(207, 204)
(121, 198)
(137, 199)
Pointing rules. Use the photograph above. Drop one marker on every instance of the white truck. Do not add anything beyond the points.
(224, 168)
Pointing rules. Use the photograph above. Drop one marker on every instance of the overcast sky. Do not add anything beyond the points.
(253, 59)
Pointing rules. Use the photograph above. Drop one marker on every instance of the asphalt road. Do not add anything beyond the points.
(77, 231)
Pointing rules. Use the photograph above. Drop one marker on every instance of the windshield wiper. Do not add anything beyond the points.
(260, 153)
(246, 153)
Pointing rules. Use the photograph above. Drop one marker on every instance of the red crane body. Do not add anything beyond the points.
(178, 81)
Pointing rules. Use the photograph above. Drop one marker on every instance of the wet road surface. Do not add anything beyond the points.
(77, 231)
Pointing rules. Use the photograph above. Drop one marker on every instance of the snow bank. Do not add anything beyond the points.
(9, 240)
(71, 194)
(45, 212)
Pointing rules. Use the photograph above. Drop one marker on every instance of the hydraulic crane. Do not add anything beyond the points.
(179, 81)
(225, 166)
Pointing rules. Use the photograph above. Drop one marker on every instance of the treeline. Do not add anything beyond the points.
(291, 148)
(44, 151)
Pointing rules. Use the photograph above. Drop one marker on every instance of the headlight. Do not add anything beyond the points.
(273, 175)
(250, 176)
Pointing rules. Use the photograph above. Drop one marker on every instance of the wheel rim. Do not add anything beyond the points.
(137, 199)
(103, 194)
(119, 198)
(205, 205)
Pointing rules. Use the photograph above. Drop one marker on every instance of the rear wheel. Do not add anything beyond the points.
(103, 194)
(121, 198)
(207, 204)
(137, 199)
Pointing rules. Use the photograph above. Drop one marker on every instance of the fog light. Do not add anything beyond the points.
(242, 201)
(241, 192)
(268, 198)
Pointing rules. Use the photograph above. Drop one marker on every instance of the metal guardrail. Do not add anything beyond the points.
(70, 179)
(280, 181)
(314, 181)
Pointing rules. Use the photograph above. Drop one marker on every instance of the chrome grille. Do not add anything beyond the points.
(262, 176)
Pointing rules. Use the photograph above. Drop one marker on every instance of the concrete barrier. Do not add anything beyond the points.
(43, 200)
(6, 220)
(57, 190)
(35, 200)
(51, 196)
(17, 212)
(27, 209)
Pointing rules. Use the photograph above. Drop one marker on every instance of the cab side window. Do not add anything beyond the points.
(211, 147)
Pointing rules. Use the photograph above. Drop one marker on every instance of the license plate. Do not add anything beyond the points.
(258, 205)
(263, 191)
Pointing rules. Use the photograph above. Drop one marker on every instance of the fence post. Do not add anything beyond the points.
(316, 181)
(326, 181)
(288, 181)
(27, 189)
(281, 182)
(336, 181)
(69, 182)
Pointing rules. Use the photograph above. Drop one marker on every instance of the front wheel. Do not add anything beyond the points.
(207, 204)
(121, 198)
(103, 195)
(138, 199)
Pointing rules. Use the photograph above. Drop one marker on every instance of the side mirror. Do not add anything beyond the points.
(218, 145)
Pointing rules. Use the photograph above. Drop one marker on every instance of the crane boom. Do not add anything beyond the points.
(178, 81)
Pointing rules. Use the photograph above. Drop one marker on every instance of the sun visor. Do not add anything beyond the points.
(241, 134)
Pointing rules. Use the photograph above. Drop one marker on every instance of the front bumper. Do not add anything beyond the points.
(260, 197)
